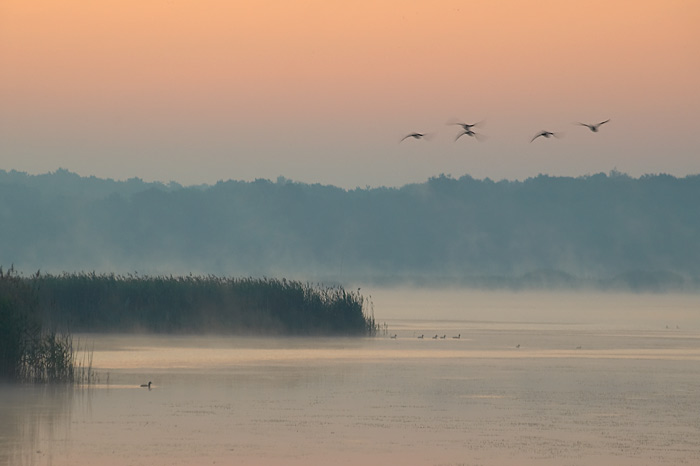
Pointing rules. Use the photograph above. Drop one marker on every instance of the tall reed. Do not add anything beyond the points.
(28, 353)
(182, 304)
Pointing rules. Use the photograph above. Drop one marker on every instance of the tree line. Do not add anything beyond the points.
(609, 230)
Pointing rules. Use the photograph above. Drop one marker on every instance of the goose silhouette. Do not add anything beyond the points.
(146, 385)
(469, 132)
(414, 136)
(465, 126)
(594, 127)
(545, 134)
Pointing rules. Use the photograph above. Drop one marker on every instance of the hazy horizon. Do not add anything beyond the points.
(196, 92)
(513, 298)
(600, 231)
(284, 179)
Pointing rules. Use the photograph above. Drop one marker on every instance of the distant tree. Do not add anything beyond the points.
(599, 225)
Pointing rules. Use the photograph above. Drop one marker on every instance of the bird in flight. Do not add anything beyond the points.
(465, 126)
(594, 127)
(415, 136)
(546, 134)
(469, 132)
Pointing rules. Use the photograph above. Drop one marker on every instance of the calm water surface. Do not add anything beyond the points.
(532, 380)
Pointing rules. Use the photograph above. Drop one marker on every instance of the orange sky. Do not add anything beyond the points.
(319, 91)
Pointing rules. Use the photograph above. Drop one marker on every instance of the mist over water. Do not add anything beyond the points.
(595, 310)
(276, 130)
(609, 232)
(576, 379)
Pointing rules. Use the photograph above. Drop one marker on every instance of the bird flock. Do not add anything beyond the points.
(437, 336)
(467, 129)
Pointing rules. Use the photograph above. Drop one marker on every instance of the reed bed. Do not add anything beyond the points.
(29, 353)
(89, 302)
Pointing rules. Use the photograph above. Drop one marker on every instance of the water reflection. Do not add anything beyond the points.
(34, 419)
(561, 389)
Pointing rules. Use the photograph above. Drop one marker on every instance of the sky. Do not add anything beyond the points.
(197, 91)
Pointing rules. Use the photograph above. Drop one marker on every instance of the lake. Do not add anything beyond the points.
(533, 379)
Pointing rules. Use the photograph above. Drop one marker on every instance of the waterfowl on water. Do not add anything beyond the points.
(146, 385)
(458, 337)
(420, 336)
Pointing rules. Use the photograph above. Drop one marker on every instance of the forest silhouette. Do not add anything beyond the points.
(601, 230)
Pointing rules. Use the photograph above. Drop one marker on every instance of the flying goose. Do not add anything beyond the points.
(546, 134)
(465, 126)
(469, 132)
(594, 127)
(415, 136)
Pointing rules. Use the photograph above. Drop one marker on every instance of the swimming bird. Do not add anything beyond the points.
(393, 336)
(146, 385)
(594, 127)
(458, 337)
(415, 136)
(435, 337)
(443, 337)
(518, 345)
(420, 336)
(546, 134)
